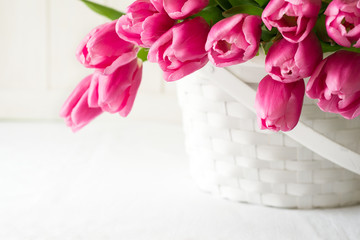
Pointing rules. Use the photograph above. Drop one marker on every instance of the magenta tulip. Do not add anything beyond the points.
(180, 9)
(143, 24)
(181, 50)
(234, 40)
(278, 105)
(159, 5)
(343, 22)
(293, 18)
(114, 89)
(76, 110)
(289, 62)
(102, 46)
(336, 84)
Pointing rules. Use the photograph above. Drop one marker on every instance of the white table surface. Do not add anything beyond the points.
(129, 180)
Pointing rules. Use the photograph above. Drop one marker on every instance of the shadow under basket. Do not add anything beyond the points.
(231, 157)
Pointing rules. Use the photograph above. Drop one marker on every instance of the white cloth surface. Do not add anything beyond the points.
(130, 180)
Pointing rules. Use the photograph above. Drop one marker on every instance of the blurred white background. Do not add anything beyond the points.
(38, 65)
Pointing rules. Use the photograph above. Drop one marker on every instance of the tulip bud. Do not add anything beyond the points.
(289, 62)
(114, 90)
(293, 18)
(336, 84)
(102, 46)
(234, 40)
(143, 24)
(181, 50)
(76, 110)
(343, 22)
(278, 105)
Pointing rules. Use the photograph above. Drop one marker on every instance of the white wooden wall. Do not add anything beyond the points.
(38, 68)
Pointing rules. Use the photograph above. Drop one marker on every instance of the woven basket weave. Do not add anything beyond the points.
(231, 157)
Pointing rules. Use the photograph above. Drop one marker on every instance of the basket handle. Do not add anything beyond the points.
(303, 134)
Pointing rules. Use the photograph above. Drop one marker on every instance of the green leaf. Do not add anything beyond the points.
(266, 46)
(246, 8)
(103, 10)
(324, 5)
(212, 14)
(235, 3)
(320, 29)
(143, 53)
(267, 35)
(268, 38)
(224, 4)
(262, 3)
(212, 3)
(329, 48)
(326, 47)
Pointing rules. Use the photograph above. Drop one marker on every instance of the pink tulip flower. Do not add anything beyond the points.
(293, 18)
(181, 50)
(102, 46)
(76, 110)
(278, 105)
(180, 9)
(143, 24)
(288, 62)
(336, 83)
(343, 22)
(114, 89)
(159, 5)
(234, 40)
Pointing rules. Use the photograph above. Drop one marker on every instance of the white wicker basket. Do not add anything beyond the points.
(231, 157)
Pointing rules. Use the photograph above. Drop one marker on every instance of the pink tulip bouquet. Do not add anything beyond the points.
(182, 36)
